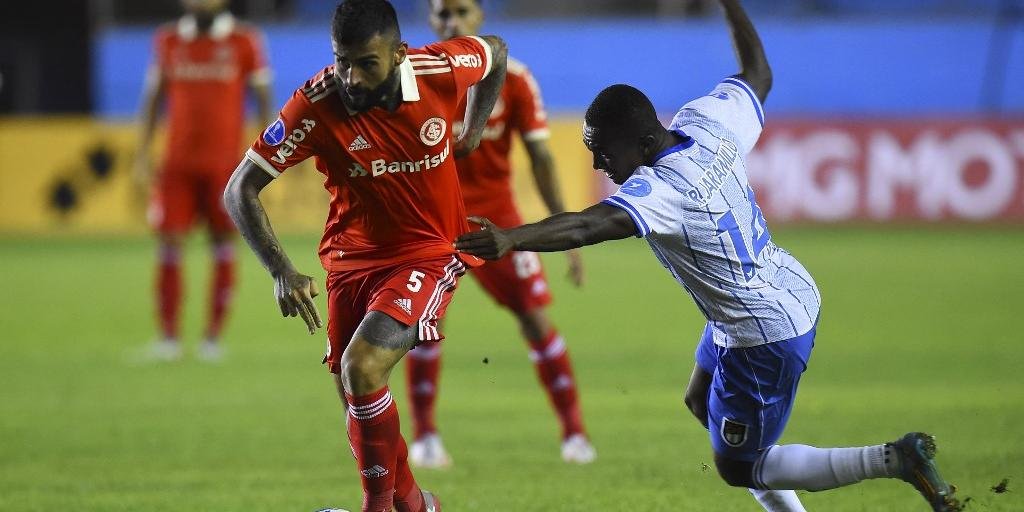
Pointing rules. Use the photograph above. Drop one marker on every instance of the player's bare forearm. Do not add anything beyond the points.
(481, 97)
(242, 202)
(294, 291)
(754, 68)
(561, 232)
(543, 166)
(152, 96)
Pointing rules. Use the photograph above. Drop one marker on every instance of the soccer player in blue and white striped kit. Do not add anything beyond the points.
(685, 191)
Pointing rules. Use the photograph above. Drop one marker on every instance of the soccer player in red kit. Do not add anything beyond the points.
(379, 124)
(201, 69)
(517, 281)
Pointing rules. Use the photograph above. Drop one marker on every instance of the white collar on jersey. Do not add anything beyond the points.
(410, 91)
(221, 27)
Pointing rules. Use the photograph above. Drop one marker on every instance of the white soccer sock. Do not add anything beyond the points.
(797, 466)
(778, 501)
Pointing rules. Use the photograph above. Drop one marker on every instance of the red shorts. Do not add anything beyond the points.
(516, 281)
(182, 195)
(414, 293)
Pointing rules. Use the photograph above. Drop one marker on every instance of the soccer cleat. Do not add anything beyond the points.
(916, 453)
(210, 352)
(166, 350)
(332, 510)
(577, 449)
(428, 452)
(431, 503)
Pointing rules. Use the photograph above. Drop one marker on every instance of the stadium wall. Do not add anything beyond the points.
(74, 175)
(864, 67)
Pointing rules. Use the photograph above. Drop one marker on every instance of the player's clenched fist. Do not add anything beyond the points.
(295, 292)
(489, 243)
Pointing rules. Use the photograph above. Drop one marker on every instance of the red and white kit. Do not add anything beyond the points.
(396, 205)
(516, 281)
(205, 78)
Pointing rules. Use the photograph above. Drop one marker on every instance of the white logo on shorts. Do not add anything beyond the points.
(405, 304)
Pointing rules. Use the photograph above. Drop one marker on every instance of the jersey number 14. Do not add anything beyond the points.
(759, 235)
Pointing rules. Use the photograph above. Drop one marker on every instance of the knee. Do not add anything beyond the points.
(737, 473)
(361, 373)
(534, 324)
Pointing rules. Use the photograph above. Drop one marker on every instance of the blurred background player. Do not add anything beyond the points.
(378, 122)
(202, 66)
(685, 190)
(517, 281)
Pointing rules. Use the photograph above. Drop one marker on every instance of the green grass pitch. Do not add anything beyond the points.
(920, 329)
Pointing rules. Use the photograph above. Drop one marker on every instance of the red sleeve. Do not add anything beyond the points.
(469, 58)
(255, 66)
(288, 140)
(527, 114)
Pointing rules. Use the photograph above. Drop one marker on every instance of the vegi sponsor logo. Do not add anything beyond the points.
(291, 143)
(466, 60)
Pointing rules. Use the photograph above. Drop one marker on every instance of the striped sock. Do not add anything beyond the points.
(423, 371)
(168, 290)
(377, 441)
(551, 360)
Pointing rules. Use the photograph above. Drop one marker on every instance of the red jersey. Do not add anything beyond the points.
(394, 189)
(205, 76)
(486, 174)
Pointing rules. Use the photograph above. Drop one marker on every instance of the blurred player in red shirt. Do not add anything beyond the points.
(379, 124)
(517, 281)
(202, 66)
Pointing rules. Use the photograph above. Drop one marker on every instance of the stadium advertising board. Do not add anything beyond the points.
(927, 170)
(924, 170)
(804, 170)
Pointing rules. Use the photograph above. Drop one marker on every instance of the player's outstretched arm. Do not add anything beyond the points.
(754, 68)
(543, 166)
(481, 97)
(294, 291)
(596, 224)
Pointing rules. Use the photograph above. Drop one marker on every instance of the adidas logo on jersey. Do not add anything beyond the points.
(359, 143)
(405, 304)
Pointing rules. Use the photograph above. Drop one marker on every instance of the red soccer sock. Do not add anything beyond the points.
(222, 286)
(168, 290)
(377, 441)
(554, 370)
(422, 371)
(407, 493)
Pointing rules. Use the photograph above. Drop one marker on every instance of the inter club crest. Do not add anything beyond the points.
(433, 131)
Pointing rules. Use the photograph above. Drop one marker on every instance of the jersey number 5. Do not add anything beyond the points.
(759, 235)
(415, 281)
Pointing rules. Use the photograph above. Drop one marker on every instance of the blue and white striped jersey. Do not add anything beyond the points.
(698, 213)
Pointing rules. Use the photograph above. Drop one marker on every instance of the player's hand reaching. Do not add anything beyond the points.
(575, 267)
(490, 242)
(295, 292)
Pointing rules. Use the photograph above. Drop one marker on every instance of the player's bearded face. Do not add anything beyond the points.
(368, 72)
